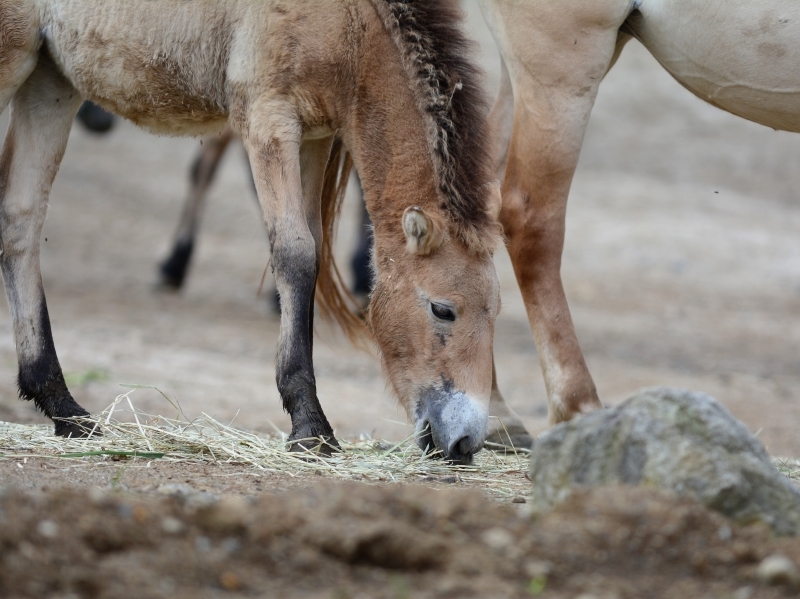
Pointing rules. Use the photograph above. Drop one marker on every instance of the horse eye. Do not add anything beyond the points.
(443, 312)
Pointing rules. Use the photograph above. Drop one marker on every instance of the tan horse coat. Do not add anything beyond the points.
(740, 55)
(391, 79)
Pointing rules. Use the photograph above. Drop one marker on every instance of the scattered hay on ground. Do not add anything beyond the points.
(178, 439)
(789, 467)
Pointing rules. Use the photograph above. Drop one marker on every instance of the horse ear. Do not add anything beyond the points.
(495, 200)
(424, 234)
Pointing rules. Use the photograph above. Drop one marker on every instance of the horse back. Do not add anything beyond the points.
(739, 55)
(184, 67)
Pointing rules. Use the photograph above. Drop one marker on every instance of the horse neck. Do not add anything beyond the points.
(388, 139)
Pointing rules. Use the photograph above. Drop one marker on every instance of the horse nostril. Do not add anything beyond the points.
(464, 444)
(425, 438)
(461, 452)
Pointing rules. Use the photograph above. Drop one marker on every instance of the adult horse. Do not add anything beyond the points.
(391, 79)
(739, 55)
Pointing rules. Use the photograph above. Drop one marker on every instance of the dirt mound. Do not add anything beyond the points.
(363, 541)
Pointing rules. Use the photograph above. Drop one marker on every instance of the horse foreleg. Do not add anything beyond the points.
(41, 116)
(556, 57)
(291, 207)
(506, 431)
(172, 271)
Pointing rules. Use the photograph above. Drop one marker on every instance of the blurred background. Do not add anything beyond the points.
(682, 267)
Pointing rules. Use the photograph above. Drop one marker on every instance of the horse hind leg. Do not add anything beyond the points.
(41, 116)
(172, 271)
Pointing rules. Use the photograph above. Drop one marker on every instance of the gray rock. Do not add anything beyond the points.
(672, 439)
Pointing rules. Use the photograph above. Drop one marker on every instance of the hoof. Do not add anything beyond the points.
(170, 278)
(166, 285)
(509, 439)
(323, 446)
(95, 119)
(77, 429)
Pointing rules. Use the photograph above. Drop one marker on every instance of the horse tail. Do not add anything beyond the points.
(334, 299)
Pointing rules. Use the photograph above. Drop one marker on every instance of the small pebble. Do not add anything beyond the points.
(519, 499)
(141, 514)
(230, 581)
(97, 496)
(724, 533)
(497, 538)
(777, 569)
(202, 544)
(47, 528)
(228, 513)
(171, 526)
(743, 593)
(231, 545)
(538, 569)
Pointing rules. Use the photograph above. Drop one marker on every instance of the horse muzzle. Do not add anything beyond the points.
(453, 423)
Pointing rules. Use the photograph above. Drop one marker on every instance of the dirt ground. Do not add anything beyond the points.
(682, 266)
(348, 541)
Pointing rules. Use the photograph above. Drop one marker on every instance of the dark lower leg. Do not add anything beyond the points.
(40, 378)
(296, 274)
(172, 271)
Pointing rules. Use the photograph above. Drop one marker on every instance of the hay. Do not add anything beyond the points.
(206, 440)
(789, 467)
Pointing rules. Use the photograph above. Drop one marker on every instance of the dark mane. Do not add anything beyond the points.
(439, 58)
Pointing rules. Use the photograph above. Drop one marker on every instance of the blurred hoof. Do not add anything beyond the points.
(172, 271)
(94, 118)
(77, 428)
(509, 439)
(166, 285)
(315, 447)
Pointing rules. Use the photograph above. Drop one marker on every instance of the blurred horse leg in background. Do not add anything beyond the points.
(173, 270)
(94, 118)
(362, 257)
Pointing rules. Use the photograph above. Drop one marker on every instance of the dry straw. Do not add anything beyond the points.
(790, 467)
(206, 440)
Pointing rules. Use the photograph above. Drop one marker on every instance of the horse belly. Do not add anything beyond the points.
(156, 64)
(740, 55)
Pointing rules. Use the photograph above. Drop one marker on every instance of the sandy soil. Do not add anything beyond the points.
(350, 541)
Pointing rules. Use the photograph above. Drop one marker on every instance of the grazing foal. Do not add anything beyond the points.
(391, 79)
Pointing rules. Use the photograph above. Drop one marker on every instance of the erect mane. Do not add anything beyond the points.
(437, 57)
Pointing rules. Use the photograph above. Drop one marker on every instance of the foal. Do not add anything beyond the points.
(390, 78)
